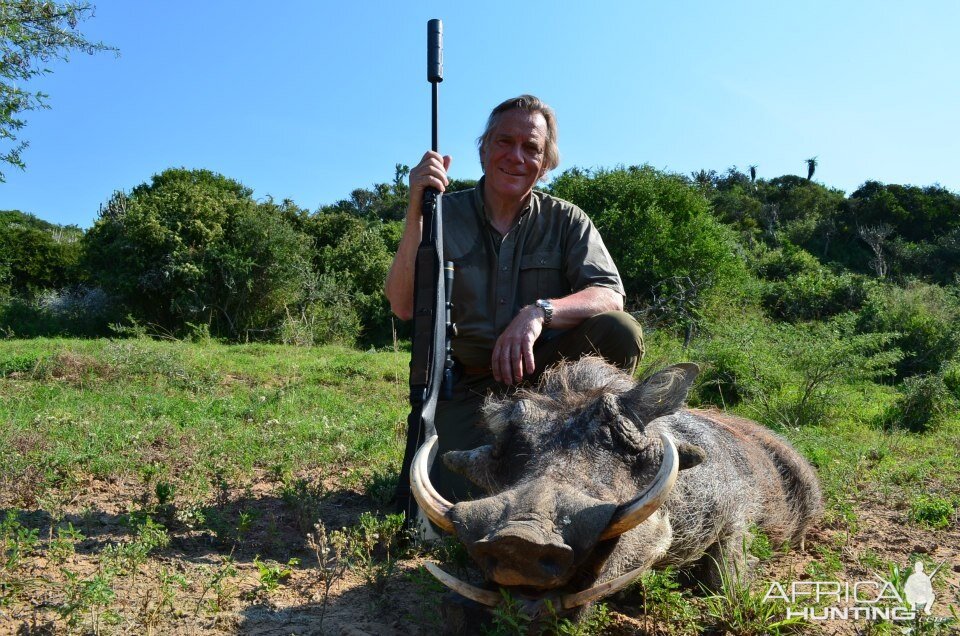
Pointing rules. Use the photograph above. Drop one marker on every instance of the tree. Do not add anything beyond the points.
(32, 34)
(811, 167)
(658, 229)
(36, 255)
(875, 236)
(193, 247)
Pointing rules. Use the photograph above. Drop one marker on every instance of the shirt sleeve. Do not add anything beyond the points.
(587, 261)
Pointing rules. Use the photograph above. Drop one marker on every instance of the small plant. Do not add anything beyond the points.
(760, 546)
(827, 565)
(84, 596)
(64, 546)
(304, 499)
(737, 609)
(426, 613)
(664, 604)
(161, 600)
(870, 559)
(219, 583)
(932, 511)
(16, 542)
(123, 558)
(594, 622)
(840, 514)
(272, 574)
(509, 618)
(381, 485)
(229, 530)
(371, 546)
(331, 562)
(164, 491)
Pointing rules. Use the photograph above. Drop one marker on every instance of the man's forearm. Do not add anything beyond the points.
(399, 284)
(570, 311)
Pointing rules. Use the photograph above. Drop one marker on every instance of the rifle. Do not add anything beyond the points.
(431, 362)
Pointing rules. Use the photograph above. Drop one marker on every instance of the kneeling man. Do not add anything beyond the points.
(533, 284)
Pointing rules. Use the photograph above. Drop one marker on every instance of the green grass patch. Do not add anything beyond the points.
(111, 407)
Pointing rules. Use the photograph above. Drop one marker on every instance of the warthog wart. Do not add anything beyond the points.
(593, 478)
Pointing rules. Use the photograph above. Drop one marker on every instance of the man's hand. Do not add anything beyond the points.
(513, 352)
(431, 172)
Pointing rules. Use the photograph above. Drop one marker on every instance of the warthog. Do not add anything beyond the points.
(563, 519)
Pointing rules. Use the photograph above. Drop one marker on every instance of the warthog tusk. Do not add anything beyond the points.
(633, 513)
(567, 601)
(464, 589)
(433, 505)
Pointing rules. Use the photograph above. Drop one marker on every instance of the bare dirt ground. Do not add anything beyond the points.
(150, 599)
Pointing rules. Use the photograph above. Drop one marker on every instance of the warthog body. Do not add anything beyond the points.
(567, 456)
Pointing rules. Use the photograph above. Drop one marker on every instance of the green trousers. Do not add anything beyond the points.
(615, 336)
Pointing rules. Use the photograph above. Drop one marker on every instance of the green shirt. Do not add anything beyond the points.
(553, 251)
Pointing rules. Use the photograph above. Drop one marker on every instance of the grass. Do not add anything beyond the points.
(110, 408)
(163, 486)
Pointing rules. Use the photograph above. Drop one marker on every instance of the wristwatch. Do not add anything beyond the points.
(547, 307)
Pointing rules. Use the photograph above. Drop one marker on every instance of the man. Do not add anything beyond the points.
(533, 282)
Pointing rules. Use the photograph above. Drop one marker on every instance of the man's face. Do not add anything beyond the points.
(513, 157)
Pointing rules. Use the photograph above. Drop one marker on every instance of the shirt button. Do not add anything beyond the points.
(504, 268)
(503, 301)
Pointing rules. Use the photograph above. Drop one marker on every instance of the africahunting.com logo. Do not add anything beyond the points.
(873, 600)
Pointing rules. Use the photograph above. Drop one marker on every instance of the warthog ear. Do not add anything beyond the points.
(690, 455)
(662, 393)
(478, 465)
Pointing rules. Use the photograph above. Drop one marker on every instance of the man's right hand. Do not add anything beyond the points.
(431, 172)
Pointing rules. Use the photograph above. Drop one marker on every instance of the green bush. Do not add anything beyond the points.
(797, 287)
(352, 255)
(739, 360)
(36, 255)
(923, 403)
(656, 226)
(327, 316)
(81, 311)
(193, 247)
(925, 318)
(815, 295)
(783, 263)
(787, 373)
(933, 511)
(951, 379)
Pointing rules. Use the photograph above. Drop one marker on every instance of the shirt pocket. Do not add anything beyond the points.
(541, 276)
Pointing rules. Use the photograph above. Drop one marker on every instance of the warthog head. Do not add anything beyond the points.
(568, 471)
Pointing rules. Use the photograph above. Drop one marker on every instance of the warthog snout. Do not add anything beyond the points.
(522, 556)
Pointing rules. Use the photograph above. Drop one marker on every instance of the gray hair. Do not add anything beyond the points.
(530, 104)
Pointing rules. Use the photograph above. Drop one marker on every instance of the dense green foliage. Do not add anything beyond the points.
(36, 255)
(193, 247)
(783, 288)
(656, 227)
(32, 33)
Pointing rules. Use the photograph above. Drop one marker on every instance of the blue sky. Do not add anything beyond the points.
(309, 100)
